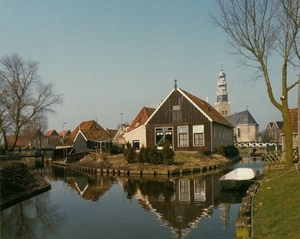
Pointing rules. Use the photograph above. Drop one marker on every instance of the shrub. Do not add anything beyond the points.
(155, 156)
(228, 151)
(142, 155)
(221, 150)
(167, 153)
(232, 151)
(115, 149)
(129, 153)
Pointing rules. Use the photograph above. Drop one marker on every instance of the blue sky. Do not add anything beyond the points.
(113, 57)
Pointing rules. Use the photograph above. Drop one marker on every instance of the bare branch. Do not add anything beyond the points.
(23, 95)
(257, 29)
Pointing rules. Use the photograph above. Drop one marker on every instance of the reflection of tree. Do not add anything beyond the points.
(159, 189)
(165, 189)
(34, 218)
(131, 187)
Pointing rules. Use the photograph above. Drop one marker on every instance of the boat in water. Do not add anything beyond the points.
(239, 178)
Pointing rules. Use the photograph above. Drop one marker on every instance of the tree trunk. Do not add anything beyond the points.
(298, 119)
(288, 138)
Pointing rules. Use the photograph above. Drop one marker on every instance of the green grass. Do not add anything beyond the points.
(277, 206)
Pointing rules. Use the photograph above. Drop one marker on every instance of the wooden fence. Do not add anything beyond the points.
(277, 157)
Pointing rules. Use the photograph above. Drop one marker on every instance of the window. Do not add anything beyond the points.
(198, 135)
(162, 134)
(184, 190)
(238, 132)
(199, 191)
(136, 144)
(176, 107)
(214, 133)
(183, 139)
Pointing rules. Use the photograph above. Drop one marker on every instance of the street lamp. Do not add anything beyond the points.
(63, 131)
(63, 137)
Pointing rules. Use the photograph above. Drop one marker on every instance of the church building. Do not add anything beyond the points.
(245, 127)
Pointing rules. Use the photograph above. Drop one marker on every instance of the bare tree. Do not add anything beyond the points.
(23, 96)
(259, 30)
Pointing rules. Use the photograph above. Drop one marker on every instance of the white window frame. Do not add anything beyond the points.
(198, 129)
(181, 132)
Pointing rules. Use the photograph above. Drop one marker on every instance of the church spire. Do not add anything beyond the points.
(222, 105)
(222, 95)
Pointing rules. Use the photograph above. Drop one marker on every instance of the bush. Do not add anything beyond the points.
(228, 151)
(167, 153)
(142, 155)
(129, 153)
(115, 149)
(232, 151)
(156, 156)
(221, 150)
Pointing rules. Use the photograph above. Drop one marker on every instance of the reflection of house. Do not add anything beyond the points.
(245, 126)
(181, 211)
(187, 122)
(294, 125)
(90, 188)
(89, 135)
(272, 131)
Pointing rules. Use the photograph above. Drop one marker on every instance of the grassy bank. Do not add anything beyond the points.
(277, 206)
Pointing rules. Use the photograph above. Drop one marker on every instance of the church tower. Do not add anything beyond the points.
(222, 105)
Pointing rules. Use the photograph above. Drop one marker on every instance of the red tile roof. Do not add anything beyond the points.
(22, 142)
(209, 110)
(51, 132)
(141, 118)
(64, 133)
(91, 130)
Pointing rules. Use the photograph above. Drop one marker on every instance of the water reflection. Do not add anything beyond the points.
(186, 206)
(33, 218)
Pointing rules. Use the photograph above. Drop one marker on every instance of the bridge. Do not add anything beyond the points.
(257, 145)
(27, 153)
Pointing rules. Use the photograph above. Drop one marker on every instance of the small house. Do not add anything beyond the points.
(186, 121)
(89, 135)
(136, 132)
(273, 131)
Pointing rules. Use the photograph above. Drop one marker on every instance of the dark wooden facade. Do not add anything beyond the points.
(183, 112)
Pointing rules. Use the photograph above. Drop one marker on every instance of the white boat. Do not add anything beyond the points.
(239, 178)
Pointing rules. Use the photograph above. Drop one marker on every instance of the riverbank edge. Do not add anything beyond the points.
(22, 196)
(145, 171)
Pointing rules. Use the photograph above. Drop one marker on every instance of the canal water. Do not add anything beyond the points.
(94, 206)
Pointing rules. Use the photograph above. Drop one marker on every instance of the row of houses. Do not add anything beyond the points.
(36, 139)
(186, 121)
